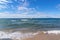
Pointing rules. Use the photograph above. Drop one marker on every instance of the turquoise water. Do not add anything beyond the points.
(34, 23)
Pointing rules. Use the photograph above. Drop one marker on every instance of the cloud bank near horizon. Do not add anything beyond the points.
(38, 15)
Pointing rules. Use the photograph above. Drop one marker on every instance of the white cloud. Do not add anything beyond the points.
(3, 4)
(3, 1)
(22, 8)
(10, 4)
(25, 8)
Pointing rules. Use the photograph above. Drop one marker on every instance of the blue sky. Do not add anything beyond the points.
(29, 8)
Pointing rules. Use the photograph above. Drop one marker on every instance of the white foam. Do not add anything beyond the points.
(35, 33)
(53, 32)
(16, 35)
(24, 19)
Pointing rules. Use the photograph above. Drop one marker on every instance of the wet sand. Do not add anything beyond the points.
(44, 36)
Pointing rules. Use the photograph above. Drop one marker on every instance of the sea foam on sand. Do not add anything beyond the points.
(16, 35)
(52, 32)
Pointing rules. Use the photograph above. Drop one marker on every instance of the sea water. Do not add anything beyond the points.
(52, 25)
(34, 23)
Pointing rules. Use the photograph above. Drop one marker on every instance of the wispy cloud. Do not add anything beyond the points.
(2, 7)
(26, 15)
(3, 1)
(22, 10)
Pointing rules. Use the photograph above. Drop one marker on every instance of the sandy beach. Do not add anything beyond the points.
(45, 36)
(38, 35)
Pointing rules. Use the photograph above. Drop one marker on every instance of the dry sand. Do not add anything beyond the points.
(44, 36)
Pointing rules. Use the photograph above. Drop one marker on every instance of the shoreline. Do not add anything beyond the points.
(30, 35)
(46, 35)
(16, 35)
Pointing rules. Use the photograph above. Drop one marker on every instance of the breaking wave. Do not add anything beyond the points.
(53, 32)
(16, 35)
